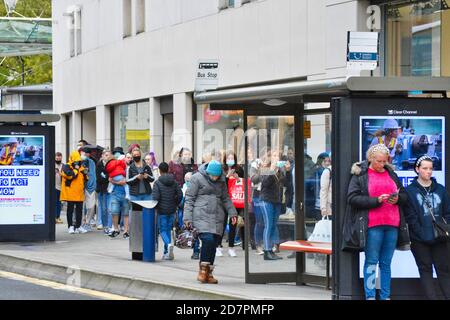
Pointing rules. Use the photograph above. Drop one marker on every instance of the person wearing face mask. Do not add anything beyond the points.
(58, 180)
(206, 204)
(74, 176)
(140, 177)
(273, 179)
(103, 218)
(231, 170)
(90, 187)
(183, 164)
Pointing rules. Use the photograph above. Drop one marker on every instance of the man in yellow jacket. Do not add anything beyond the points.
(74, 176)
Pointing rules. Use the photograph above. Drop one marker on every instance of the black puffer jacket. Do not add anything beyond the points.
(102, 178)
(356, 220)
(168, 194)
(133, 171)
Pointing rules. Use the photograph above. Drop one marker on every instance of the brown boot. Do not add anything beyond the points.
(211, 278)
(203, 272)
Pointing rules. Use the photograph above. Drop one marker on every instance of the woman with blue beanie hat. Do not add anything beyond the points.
(206, 204)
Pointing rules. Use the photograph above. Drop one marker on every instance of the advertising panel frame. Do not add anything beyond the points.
(35, 232)
(347, 112)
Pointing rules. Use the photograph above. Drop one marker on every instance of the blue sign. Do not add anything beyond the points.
(362, 56)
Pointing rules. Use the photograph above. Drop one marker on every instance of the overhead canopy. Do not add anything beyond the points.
(24, 37)
(294, 91)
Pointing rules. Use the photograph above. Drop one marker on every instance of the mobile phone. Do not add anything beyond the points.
(393, 195)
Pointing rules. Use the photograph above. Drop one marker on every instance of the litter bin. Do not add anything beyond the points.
(143, 230)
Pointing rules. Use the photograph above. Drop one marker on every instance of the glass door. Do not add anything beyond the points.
(317, 188)
(270, 200)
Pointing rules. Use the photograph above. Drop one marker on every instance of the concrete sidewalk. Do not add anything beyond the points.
(95, 261)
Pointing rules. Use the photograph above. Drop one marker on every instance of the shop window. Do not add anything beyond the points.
(417, 38)
(218, 131)
(132, 125)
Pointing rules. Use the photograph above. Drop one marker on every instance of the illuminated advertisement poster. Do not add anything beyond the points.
(22, 180)
(407, 139)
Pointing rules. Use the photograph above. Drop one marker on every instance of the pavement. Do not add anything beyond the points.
(98, 262)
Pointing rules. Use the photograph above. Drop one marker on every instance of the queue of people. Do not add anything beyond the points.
(202, 198)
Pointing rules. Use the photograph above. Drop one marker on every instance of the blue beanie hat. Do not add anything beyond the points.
(214, 168)
(323, 155)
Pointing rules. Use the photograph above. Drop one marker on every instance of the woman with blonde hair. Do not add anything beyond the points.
(376, 195)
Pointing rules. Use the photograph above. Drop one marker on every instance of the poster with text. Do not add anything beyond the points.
(22, 180)
(407, 139)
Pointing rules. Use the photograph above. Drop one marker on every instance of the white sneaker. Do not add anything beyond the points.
(100, 227)
(77, 231)
(219, 252)
(259, 251)
(82, 230)
(71, 230)
(170, 247)
(231, 252)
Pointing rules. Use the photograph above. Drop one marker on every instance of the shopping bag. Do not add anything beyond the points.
(236, 190)
(322, 231)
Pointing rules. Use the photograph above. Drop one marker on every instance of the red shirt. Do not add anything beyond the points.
(387, 214)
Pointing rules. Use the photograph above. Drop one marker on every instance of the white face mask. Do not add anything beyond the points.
(214, 178)
(83, 157)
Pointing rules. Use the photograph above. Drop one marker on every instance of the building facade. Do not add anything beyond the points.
(124, 72)
(124, 69)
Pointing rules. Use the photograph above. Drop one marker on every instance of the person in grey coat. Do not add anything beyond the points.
(207, 201)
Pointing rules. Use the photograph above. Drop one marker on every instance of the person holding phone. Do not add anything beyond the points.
(426, 197)
(376, 196)
(140, 177)
(273, 179)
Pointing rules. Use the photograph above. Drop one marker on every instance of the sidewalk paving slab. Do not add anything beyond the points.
(105, 265)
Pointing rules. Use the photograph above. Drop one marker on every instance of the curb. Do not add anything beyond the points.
(123, 286)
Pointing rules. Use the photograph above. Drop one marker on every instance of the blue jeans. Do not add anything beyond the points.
(118, 204)
(165, 224)
(271, 212)
(380, 247)
(197, 245)
(180, 218)
(259, 221)
(103, 215)
(210, 242)
(58, 204)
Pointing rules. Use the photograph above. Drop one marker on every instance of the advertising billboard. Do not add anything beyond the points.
(27, 179)
(22, 200)
(407, 137)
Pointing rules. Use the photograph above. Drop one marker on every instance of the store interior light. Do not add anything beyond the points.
(274, 102)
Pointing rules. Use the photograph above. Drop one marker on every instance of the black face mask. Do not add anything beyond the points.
(137, 159)
(58, 162)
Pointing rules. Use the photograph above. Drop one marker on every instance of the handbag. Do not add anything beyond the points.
(441, 229)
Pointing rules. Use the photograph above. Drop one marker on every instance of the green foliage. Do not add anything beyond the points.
(38, 68)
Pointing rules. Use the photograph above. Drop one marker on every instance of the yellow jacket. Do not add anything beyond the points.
(74, 192)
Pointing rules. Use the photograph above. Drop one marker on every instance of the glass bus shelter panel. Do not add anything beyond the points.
(271, 202)
(317, 191)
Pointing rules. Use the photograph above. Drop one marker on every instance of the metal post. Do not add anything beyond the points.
(148, 234)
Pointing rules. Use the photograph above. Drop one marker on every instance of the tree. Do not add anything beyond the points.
(27, 70)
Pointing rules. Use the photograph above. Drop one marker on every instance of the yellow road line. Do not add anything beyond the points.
(59, 286)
